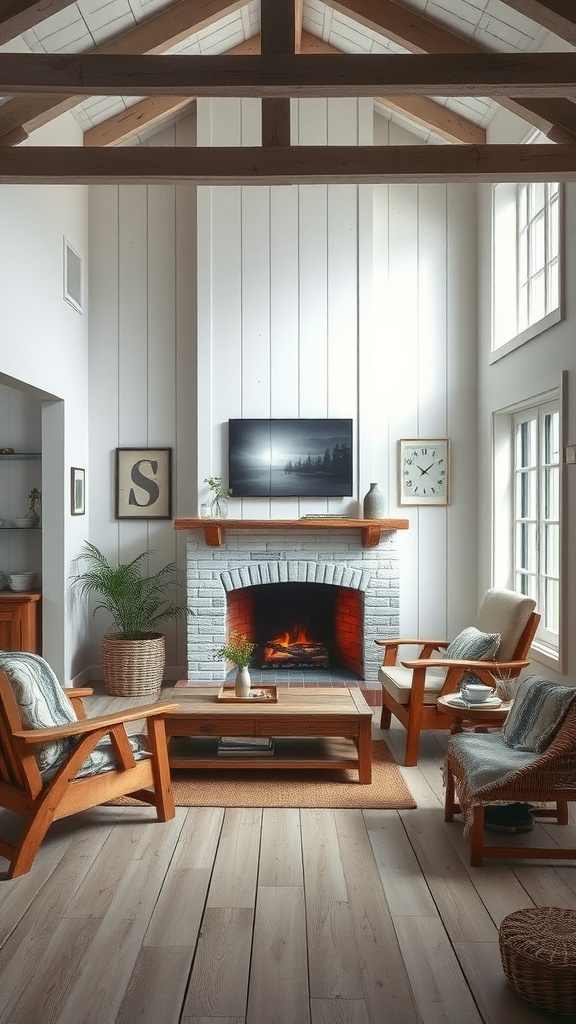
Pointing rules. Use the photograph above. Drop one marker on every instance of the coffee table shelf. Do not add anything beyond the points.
(289, 752)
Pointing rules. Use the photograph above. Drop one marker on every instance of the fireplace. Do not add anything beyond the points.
(304, 626)
(228, 576)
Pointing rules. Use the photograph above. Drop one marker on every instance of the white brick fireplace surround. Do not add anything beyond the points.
(246, 558)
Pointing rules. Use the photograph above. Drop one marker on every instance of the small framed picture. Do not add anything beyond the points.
(143, 483)
(77, 491)
(424, 468)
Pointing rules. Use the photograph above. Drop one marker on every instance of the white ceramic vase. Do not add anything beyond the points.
(242, 682)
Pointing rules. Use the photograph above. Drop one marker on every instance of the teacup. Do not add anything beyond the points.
(475, 693)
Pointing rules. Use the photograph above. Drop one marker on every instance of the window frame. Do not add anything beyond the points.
(511, 261)
(544, 649)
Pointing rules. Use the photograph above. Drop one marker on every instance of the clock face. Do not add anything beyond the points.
(424, 472)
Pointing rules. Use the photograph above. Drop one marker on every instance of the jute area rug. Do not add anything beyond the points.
(294, 788)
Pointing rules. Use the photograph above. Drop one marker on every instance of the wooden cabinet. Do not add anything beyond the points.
(20, 621)
(20, 551)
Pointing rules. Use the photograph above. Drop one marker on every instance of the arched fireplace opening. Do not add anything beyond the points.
(303, 626)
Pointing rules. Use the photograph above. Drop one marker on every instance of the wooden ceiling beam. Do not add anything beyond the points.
(141, 116)
(418, 34)
(154, 35)
(277, 38)
(280, 165)
(443, 122)
(403, 26)
(558, 16)
(16, 16)
(137, 118)
(303, 75)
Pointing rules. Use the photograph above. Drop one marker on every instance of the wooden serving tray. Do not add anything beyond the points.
(269, 695)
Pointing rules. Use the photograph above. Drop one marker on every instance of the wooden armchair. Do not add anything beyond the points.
(410, 690)
(119, 766)
(544, 778)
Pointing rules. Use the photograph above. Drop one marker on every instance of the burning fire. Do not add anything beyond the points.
(297, 635)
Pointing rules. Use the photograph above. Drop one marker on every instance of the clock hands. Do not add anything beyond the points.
(423, 471)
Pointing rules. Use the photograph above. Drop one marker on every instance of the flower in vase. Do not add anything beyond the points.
(238, 649)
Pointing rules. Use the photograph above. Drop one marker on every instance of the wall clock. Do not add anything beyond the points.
(424, 465)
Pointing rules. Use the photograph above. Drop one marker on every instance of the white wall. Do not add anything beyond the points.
(44, 350)
(523, 373)
(424, 363)
(347, 301)
(284, 297)
(143, 362)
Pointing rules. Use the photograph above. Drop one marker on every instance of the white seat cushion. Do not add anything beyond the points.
(397, 680)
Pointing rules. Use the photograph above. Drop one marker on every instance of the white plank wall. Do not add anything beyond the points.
(143, 361)
(280, 309)
(288, 302)
(425, 336)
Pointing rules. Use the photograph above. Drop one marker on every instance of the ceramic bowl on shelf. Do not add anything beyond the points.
(22, 580)
(24, 522)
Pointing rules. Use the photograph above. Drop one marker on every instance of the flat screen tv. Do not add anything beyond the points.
(290, 458)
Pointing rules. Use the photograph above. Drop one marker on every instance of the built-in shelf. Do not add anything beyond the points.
(23, 529)
(18, 456)
(215, 529)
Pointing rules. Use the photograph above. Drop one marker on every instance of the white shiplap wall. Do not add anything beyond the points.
(284, 293)
(312, 301)
(143, 360)
(424, 351)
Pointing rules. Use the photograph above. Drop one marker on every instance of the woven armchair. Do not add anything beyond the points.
(549, 777)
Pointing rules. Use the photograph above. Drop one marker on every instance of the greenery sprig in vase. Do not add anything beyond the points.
(239, 650)
(220, 495)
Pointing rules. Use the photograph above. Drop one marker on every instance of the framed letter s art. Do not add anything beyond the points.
(143, 483)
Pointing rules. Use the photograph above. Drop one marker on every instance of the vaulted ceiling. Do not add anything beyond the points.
(126, 67)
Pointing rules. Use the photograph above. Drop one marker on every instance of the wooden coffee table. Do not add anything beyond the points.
(313, 727)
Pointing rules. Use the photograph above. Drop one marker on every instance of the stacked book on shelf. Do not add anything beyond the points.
(245, 746)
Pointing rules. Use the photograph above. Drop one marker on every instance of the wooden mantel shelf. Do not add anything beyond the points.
(215, 529)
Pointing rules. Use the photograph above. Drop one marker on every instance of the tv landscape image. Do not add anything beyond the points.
(290, 458)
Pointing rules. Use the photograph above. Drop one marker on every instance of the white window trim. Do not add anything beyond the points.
(551, 318)
(502, 509)
(554, 317)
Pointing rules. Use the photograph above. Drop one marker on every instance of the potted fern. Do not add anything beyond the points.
(133, 655)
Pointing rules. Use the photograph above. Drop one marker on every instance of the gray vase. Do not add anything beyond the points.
(374, 503)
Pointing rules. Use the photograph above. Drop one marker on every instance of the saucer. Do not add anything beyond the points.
(457, 702)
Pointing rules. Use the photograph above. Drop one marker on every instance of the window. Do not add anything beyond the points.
(537, 514)
(527, 513)
(526, 262)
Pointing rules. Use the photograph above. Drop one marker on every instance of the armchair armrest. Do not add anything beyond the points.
(427, 647)
(88, 725)
(492, 666)
(74, 692)
(417, 642)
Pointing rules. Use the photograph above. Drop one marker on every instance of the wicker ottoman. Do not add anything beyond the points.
(538, 952)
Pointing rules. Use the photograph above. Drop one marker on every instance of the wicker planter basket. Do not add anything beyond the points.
(538, 952)
(133, 668)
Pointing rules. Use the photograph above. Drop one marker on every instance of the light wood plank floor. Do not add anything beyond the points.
(268, 916)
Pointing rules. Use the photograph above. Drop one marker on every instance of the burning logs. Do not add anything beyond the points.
(297, 655)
